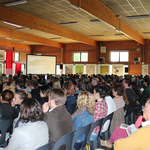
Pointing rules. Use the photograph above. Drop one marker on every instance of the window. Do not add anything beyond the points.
(119, 56)
(17, 56)
(80, 57)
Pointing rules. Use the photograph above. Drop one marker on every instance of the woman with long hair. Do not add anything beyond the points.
(120, 100)
(32, 131)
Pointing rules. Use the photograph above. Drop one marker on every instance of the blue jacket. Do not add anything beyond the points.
(70, 100)
(82, 120)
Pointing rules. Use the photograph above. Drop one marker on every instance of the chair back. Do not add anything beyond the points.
(64, 140)
(107, 122)
(72, 108)
(93, 143)
(83, 130)
(4, 125)
(45, 147)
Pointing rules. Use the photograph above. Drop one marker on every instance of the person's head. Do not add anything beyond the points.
(8, 86)
(7, 96)
(70, 90)
(5, 79)
(56, 84)
(30, 110)
(99, 92)
(19, 84)
(19, 97)
(146, 82)
(80, 86)
(33, 84)
(94, 81)
(127, 83)
(86, 99)
(146, 110)
(119, 90)
(27, 83)
(44, 90)
(57, 97)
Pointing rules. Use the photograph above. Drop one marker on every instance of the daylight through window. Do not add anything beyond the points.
(119, 56)
(80, 57)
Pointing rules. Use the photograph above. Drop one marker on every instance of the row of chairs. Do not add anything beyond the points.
(70, 138)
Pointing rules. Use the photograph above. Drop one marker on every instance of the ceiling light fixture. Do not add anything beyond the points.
(8, 38)
(68, 23)
(12, 24)
(55, 38)
(146, 32)
(138, 16)
(95, 20)
(118, 34)
(74, 6)
(20, 41)
(15, 3)
(96, 35)
(20, 29)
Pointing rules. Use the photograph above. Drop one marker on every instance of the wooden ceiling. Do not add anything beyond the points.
(42, 21)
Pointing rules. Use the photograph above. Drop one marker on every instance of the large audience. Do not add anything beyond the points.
(37, 104)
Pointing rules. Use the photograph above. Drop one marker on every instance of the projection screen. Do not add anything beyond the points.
(36, 64)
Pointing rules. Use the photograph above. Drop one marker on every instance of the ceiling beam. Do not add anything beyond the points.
(8, 43)
(17, 35)
(100, 11)
(29, 21)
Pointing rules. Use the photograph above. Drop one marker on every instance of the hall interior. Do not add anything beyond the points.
(63, 28)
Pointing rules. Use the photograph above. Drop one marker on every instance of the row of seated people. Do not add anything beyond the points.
(96, 111)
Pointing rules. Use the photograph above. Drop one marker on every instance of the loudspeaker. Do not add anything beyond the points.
(126, 69)
(61, 66)
(101, 59)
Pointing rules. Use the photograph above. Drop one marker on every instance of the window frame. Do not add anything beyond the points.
(119, 56)
(19, 57)
(80, 56)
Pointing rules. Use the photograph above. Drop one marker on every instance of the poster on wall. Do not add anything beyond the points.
(68, 69)
(144, 70)
(117, 70)
(2, 54)
(90, 69)
(104, 69)
(79, 69)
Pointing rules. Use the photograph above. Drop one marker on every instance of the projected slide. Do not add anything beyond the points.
(41, 64)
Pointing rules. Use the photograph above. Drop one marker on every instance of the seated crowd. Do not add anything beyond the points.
(37, 106)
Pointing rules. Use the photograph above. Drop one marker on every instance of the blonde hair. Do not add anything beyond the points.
(8, 86)
(56, 84)
(86, 99)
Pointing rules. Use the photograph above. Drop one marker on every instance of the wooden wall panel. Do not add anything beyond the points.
(69, 49)
(23, 57)
(135, 69)
(47, 50)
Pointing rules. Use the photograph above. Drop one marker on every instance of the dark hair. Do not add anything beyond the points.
(81, 86)
(128, 81)
(120, 89)
(101, 90)
(45, 89)
(30, 111)
(22, 94)
(7, 95)
(34, 84)
(146, 80)
(20, 83)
